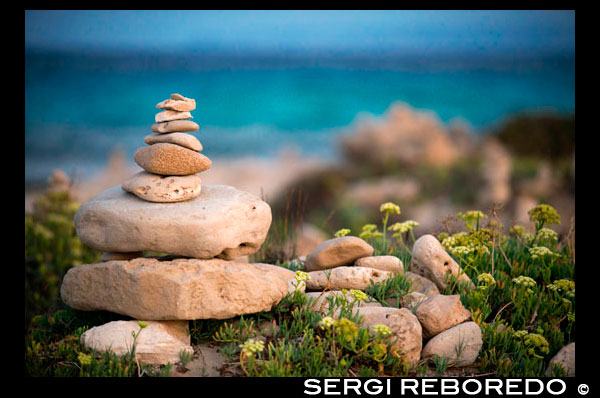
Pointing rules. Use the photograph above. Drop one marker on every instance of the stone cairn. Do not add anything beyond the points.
(206, 231)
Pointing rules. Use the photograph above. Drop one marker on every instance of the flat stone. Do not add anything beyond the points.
(220, 222)
(179, 103)
(464, 339)
(145, 288)
(175, 126)
(185, 140)
(440, 312)
(337, 252)
(321, 300)
(157, 343)
(110, 256)
(163, 189)
(171, 160)
(564, 357)
(167, 116)
(434, 263)
(385, 263)
(358, 278)
(406, 330)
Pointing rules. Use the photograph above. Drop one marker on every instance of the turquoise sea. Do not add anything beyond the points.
(78, 108)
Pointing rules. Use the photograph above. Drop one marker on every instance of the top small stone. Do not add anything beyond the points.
(337, 252)
(178, 103)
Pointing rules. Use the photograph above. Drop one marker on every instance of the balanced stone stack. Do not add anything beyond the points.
(205, 233)
(172, 159)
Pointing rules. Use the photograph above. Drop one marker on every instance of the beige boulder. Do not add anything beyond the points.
(385, 263)
(564, 357)
(434, 263)
(171, 160)
(220, 222)
(145, 288)
(157, 343)
(163, 189)
(175, 126)
(421, 285)
(358, 278)
(337, 252)
(461, 344)
(177, 103)
(183, 139)
(112, 256)
(440, 312)
(167, 116)
(406, 330)
(320, 301)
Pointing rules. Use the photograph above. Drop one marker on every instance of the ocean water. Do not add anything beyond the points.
(79, 109)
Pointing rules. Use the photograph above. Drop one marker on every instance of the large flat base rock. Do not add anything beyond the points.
(182, 289)
(221, 222)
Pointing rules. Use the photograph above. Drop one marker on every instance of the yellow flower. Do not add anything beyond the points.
(524, 281)
(84, 359)
(382, 330)
(327, 322)
(342, 232)
(471, 217)
(389, 208)
(358, 295)
(544, 214)
(402, 227)
(541, 251)
(347, 329)
(252, 346)
(302, 276)
(142, 324)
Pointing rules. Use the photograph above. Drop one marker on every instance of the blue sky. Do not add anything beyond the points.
(509, 32)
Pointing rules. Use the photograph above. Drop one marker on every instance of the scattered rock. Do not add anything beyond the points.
(464, 339)
(145, 288)
(157, 343)
(167, 116)
(421, 285)
(175, 126)
(163, 189)
(385, 263)
(337, 252)
(171, 159)
(183, 139)
(564, 357)
(406, 330)
(113, 256)
(434, 263)
(440, 312)
(412, 300)
(221, 222)
(358, 278)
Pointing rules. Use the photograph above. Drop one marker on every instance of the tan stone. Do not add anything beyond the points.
(283, 273)
(319, 301)
(145, 288)
(358, 278)
(175, 126)
(337, 252)
(434, 263)
(412, 300)
(421, 285)
(461, 344)
(171, 160)
(385, 263)
(111, 256)
(177, 103)
(157, 343)
(163, 189)
(564, 357)
(183, 139)
(406, 330)
(167, 116)
(440, 312)
(221, 222)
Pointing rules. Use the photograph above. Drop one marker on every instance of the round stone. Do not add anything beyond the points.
(163, 189)
(171, 160)
(166, 116)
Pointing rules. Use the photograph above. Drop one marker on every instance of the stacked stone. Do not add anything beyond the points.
(172, 159)
(424, 323)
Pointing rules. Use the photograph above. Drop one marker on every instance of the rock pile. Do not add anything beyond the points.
(424, 323)
(206, 233)
(172, 159)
